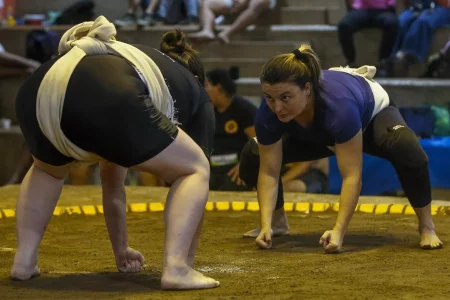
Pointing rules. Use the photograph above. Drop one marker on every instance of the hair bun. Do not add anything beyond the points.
(174, 41)
(234, 72)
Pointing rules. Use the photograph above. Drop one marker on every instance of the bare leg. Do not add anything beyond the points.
(132, 5)
(209, 9)
(184, 210)
(38, 195)
(428, 237)
(152, 7)
(280, 225)
(194, 245)
(246, 18)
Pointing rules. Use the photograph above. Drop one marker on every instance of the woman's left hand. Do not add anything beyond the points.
(129, 261)
(332, 240)
(234, 174)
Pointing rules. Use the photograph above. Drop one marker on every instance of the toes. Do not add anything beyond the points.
(432, 246)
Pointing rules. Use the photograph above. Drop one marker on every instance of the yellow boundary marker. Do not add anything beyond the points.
(301, 207)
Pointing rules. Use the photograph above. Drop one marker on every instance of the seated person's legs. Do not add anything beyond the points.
(148, 19)
(130, 17)
(246, 18)
(352, 22)
(209, 10)
(313, 177)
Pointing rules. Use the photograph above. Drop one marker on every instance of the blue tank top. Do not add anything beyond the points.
(345, 106)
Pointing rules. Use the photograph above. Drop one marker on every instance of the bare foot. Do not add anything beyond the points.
(276, 232)
(224, 38)
(202, 36)
(332, 240)
(429, 240)
(280, 225)
(21, 273)
(186, 278)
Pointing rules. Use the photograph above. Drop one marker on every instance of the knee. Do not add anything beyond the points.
(405, 149)
(202, 167)
(346, 26)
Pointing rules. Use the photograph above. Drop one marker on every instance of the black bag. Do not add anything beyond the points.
(41, 45)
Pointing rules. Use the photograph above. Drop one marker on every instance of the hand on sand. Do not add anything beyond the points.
(264, 239)
(129, 261)
(276, 232)
(331, 241)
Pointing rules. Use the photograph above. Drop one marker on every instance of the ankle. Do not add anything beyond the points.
(428, 227)
(175, 263)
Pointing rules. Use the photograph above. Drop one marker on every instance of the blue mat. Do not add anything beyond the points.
(379, 176)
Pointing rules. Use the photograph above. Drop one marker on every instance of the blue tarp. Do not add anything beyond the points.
(379, 176)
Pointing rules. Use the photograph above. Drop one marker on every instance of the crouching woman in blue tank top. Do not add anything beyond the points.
(310, 114)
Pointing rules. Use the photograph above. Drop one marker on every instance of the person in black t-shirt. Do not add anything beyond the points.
(234, 127)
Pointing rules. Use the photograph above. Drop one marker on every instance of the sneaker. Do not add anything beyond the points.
(127, 20)
(146, 20)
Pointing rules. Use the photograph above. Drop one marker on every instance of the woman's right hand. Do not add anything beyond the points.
(264, 239)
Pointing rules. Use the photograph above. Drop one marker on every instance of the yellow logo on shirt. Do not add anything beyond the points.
(231, 127)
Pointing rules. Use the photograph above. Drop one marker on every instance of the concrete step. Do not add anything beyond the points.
(248, 67)
(291, 16)
(329, 4)
(244, 49)
(303, 16)
(405, 92)
(267, 41)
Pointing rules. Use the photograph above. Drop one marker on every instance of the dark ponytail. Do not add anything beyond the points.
(300, 66)
(174, 45)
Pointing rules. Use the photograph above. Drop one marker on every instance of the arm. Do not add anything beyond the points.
(250, 132)
(349, 159)
(7, 72)
(113, 176)
(297, 170)
(11, 60)
(234, 171)
(114, 204)
(269, 172)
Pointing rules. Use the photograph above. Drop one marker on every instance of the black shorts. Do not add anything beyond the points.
(106, 111)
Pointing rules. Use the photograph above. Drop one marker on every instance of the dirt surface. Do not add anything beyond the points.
(382, 260)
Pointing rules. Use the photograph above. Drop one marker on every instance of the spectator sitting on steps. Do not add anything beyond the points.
(249, 11)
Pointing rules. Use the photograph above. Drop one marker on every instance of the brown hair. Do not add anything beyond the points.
(174, 45)
(299, 67)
